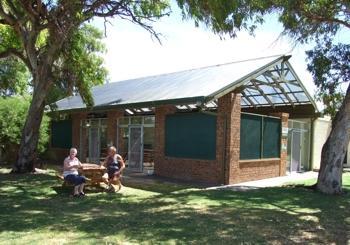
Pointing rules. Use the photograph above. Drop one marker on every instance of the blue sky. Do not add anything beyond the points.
(131, 52)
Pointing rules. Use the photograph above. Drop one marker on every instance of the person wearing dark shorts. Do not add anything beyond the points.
(71, 175)
(75, 179)
(114, 164)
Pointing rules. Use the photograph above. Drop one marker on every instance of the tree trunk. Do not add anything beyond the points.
(30, 134)
(334, 150)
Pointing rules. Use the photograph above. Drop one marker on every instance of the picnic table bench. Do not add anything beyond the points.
(91, 171)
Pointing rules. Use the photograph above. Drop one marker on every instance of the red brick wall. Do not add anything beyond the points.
(227, 168)
(227, 146)
(284, 141)
(208, 171)
(257, 169)
(250, 170)
(229, 121)
(112, 126)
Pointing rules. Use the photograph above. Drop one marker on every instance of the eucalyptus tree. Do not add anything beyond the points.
(42, 35)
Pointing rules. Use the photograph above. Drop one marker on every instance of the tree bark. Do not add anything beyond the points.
(27, 153)
(334, 151)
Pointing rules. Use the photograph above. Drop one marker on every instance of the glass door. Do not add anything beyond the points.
(296, 151)
(135, 154)
(94, 145)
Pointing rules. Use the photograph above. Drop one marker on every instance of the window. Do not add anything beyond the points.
(148, 138)
(271, 137)
(250, 137)
(260, 137)
(135, 120)
(190, 135)
(61, 134)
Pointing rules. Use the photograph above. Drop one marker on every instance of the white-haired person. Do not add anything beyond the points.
(71, 165)
(114, 165)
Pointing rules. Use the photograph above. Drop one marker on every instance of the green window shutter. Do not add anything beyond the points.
(61, 134)
(190, 135)
(250, 138)
(271, 137)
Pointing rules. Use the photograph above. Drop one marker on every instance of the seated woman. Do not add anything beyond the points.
(114, 164)
(71, 175)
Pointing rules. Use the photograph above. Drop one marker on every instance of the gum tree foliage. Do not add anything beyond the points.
(14, 77)
(304, 21)
(83, 52)
(14, 109)
(44, 35)
(81, 61)
(329, 65)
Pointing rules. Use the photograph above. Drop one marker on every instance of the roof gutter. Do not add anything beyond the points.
(190, 100)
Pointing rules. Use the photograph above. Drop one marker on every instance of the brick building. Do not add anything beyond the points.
(221, 124)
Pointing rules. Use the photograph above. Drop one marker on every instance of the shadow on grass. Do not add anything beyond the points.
(163, 214)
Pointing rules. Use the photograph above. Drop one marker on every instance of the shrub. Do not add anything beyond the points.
(13, 112)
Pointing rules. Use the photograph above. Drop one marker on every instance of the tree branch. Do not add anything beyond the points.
(15, 52)
(122, 9)
(10, 19)
(319, 18)
(36, 11)
(4, 22)
(6, 53)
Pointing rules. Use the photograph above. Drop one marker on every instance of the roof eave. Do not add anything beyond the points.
(190, 100)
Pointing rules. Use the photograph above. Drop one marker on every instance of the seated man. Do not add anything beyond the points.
(71, 175)
(114, 164)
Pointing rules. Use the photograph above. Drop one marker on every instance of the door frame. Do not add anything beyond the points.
(141, 144)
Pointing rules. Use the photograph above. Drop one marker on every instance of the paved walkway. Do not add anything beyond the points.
(278, 181)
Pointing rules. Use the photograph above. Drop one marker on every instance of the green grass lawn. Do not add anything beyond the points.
(35, 210)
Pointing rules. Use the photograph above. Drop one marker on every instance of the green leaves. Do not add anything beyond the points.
(78, 68)
(225, 17)
(302, 20)
(9, 39)
(329, 65)
(80, 65)
(15, 109)
(14, 77)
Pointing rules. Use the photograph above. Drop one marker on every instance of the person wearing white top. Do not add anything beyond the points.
(71, 175)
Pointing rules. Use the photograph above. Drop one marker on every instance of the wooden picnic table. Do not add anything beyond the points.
(93, 172)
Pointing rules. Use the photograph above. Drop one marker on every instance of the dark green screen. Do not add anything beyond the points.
(272, 140)
(260, 137)
(61, 134)
(250, 137)
(190, 135)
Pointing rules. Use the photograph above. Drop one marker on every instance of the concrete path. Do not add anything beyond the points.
(278, 181)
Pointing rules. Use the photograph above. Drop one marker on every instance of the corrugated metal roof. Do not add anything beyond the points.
(190, 85)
